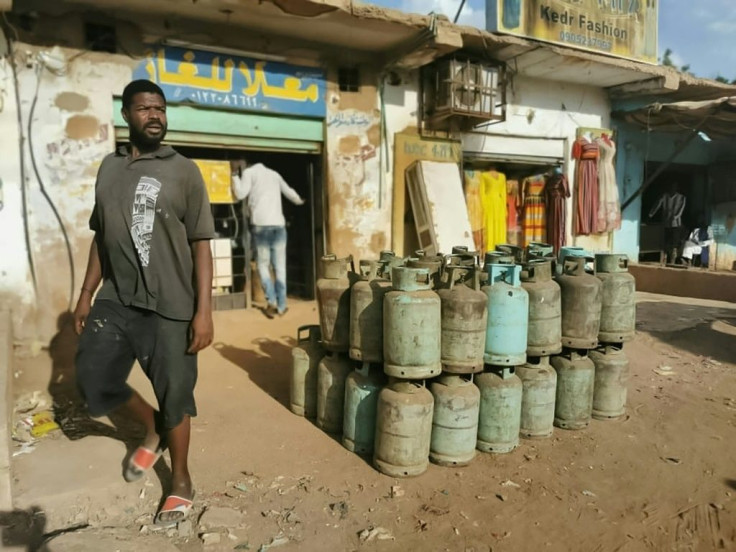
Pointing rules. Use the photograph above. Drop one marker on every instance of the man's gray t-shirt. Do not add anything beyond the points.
(147, 212)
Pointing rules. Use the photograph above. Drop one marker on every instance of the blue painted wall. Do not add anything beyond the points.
(636, 147)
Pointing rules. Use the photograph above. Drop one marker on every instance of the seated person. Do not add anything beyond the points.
(698, 244)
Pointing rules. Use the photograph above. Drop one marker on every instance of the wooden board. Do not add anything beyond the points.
(409, 148)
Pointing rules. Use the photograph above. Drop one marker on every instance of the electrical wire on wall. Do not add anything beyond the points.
(23, 187)
(43, 63)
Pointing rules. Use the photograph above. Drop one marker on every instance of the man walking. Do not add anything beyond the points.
(151, 251)
(263, 188)
(672, 203)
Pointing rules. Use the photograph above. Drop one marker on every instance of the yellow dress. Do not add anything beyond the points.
(475, 207)
(493, 196)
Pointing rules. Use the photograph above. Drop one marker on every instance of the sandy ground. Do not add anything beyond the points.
(663, 478)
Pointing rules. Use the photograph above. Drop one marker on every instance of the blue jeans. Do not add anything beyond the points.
(271, 250)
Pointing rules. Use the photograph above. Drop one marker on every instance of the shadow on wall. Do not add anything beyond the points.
(267, 362)
(70, 410)
(705, 331)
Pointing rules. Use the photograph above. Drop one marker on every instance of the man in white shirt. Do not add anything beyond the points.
(263, 188)
(672, 204)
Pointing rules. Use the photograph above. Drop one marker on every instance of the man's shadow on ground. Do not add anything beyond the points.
(70, 410)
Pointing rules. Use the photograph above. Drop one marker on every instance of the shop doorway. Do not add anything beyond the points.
(692, 182)
(304, 224)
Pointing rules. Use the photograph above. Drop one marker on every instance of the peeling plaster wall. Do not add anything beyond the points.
(541, 120)
(16, 289)
(358, 209)
(72, 132)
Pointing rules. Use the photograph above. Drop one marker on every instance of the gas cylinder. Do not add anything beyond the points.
(539, 382)
(464, 321)
(455, 421)
(496, 257)
(581, 305)
(461, 255)
(500, 409)
(411, 326)
(515, 250)
(332, 373)
(388, 260)
(508, 316)
(333, 301)
(537, 250)
(545, 308)
(366, 313)
(433, 263)
(618, 312)
(361, 402)
(570, 251)
(305, 359)
(611, 379)
(575, 380)
(403, 429)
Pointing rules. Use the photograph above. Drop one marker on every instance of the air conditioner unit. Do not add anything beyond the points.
(463, 93)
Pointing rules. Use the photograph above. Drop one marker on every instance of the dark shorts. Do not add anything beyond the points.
(115, 337)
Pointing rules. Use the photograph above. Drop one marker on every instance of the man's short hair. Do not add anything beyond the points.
(138, 86)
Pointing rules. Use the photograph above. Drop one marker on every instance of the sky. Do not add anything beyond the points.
(700, 33)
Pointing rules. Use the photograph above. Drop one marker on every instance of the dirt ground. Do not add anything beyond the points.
(663, 478)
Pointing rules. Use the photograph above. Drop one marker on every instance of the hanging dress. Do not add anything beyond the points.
(534, 225)
(556, 192)
(586, 186)
(513, 205)
(474, 202)
(609, 208)
(494, 208)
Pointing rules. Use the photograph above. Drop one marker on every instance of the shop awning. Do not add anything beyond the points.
(715, 118)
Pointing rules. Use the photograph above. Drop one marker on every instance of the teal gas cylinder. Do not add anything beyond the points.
(508, 316)
(305, 358)
(455, 421)
(403, 429)
(464, 320)
(545, 308)
(611, 382)
(366, 313)
(411, 326)
(618, 304)
(539, 390)
(332, 373)
(433, 263)
(362, 387)
(499, 420)
(575, 382)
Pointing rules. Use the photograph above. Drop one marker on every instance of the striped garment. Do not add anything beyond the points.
(534, 227)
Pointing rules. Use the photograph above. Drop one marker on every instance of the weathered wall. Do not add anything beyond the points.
(542, 119)
(16, 289)
(71, 133)
(358, 204)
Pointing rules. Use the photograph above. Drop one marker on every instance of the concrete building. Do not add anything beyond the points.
(328, 92)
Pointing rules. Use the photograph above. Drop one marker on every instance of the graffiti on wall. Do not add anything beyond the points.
(233, 82)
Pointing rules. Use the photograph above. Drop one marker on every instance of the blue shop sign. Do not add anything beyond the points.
(233, 82)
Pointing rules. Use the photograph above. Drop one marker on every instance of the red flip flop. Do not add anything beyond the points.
(174, 504)
(140, 462)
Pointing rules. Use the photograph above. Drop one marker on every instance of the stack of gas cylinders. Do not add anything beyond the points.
(435, 357)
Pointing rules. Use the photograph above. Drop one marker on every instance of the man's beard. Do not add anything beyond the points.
(139, 138)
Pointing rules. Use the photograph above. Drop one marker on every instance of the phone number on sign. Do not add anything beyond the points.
(585, 41)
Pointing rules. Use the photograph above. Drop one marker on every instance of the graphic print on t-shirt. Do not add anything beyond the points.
(144, 216)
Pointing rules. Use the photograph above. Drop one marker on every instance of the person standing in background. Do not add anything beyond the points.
(263, 187)
(672, 203)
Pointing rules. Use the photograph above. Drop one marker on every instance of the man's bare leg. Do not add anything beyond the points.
(181, 482)
(138, 409)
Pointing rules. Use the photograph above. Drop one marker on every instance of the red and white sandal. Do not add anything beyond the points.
(142, 460)
(174, 504)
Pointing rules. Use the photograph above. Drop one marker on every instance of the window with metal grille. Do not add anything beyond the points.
(349, 79)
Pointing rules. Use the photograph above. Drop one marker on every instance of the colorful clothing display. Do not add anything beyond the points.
(494, 208)
(513, 206)
(586, 186)
(609, 208)
(534, 226)
(556, 192)
(474, 202)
